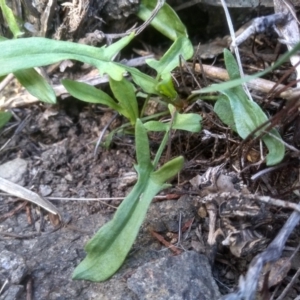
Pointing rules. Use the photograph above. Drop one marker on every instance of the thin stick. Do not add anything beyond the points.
(235, 47)
(165, 197)
(6, 81)
(103, 132)
(155, 11)
(266, 199)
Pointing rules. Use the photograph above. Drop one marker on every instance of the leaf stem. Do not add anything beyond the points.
(161, 149)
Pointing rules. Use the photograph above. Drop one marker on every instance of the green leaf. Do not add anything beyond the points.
(157, 126)
(168, 170)
(275, 146)
(34, 52)
(90, 94)
(189, 122)
(36, 85)
(223, 110)
(166, 21)
(145, 82)
(4, 118)
(236, 82)
(123, 90)
(231, 65)
(107, 250)
(170, 60)
(248, 115)
(166, 87)
(142, 146)
(10, 19)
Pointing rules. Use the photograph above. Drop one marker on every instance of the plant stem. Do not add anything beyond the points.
(161, 149)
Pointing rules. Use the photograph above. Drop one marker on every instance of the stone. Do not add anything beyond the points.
(187, 276)
(165, 215)
(14, 170)
(45, 190)
(13, 293)
(12, 267)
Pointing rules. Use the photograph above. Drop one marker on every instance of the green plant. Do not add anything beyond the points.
(29, 78)
(242, 115)
(107, 250)
(19, 55)
(239, 81)
(10, 19)
(4, 118)
(235, 109)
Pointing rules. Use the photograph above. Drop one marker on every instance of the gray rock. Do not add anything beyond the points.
(187, 276)
(12, 266)
(13, 293)
(164, 216)
(14, 170)
(45, 190)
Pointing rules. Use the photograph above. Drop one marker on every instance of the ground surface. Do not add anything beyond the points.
(52, 153)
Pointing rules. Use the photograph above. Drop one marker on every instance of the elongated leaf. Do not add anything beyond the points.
(33, 52)
(167, 22)
(90, 94)
(36, 85)
(145, 82)
(123, 90)
(157, 126)
(142, 147)
(170, 60)
(223, 110)
(236, 82)
(248, 115)
(10, 19)
(4, 118)
(168, 170)
(107, 250)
